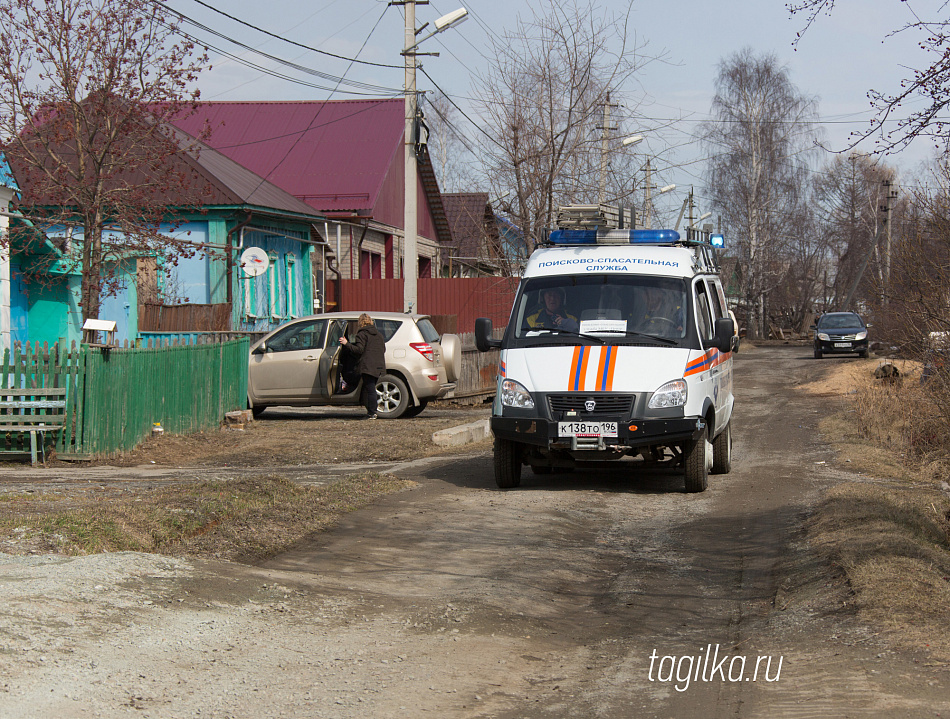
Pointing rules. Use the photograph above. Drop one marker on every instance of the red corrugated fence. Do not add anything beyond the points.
(468, 298)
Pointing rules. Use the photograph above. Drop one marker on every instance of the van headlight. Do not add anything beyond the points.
(672, 394)
(514, 394)
(861, 335)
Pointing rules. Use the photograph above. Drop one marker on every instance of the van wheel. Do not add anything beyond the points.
(722, 451)
(696, 456)
(865, 353)
(507, 464)
(392, 397)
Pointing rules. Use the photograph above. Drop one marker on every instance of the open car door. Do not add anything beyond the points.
(286, 367)
(332, 359)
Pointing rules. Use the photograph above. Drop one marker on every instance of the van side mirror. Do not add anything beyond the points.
(483, 339)
(722, 337)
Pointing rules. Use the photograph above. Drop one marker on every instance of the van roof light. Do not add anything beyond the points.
(614, 237)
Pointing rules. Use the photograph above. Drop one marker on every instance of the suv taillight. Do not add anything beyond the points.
(425, 349)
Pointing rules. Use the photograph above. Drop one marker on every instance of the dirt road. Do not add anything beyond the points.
(582, 594)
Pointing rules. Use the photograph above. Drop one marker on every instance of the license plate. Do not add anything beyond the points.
(842, 344)
(587, 429)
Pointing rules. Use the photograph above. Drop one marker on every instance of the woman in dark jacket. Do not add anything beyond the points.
(370, 347)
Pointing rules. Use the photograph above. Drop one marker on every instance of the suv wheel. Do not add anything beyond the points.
(415, 410)
(392, 397)
(817, 353)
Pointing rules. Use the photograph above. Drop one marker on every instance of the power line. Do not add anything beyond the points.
(287, 63)
(290, 42)
(265, 70)
(293, 145)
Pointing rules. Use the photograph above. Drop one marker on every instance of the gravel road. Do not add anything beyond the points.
(596, 593)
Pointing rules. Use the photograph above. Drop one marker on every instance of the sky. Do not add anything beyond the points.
(840, 58)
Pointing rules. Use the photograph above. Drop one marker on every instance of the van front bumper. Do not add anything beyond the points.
(633, 433)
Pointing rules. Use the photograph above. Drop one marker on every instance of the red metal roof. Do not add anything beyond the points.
(332, 155)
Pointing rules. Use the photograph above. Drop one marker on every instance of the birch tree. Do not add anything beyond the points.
(759, 138)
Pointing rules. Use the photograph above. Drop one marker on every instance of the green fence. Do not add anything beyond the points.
(114, 396)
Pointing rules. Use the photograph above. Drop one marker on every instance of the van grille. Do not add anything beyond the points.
(605, 404)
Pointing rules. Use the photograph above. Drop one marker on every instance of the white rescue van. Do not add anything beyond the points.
(619, 346)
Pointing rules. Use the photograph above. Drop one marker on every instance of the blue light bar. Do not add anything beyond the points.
(573, 237)
(614, 237)
(717, 240)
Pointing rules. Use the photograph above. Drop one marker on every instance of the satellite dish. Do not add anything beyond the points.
(254, 261)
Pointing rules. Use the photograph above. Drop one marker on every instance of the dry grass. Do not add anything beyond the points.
(242, 520)
(894, 544)
(892, 538)
(282, 439)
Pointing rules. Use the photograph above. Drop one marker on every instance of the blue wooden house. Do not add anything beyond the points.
(209, 290)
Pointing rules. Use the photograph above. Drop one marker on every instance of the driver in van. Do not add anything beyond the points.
(552, 314)
(660, 314)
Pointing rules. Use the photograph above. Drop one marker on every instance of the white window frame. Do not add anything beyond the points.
(273, 286)
(291, 285)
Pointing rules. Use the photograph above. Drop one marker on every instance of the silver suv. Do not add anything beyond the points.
(299, 364)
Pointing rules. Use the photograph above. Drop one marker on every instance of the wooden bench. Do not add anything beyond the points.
(34, 411)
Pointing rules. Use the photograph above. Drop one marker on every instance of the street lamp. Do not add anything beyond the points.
(411, 220)
(632, 140)
(648, 205)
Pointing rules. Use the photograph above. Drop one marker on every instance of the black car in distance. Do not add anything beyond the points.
(837, 332)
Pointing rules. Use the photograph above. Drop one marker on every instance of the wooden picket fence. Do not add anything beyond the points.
(115, 396)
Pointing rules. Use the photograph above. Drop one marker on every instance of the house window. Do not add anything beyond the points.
(371, 265)
(273, 286)
(250, 297)
(425, 267)
(290, 284)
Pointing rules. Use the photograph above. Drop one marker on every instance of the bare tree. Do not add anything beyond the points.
(451, 153)
(918, 294)
(759, 140)
(85, 89)
(849, 195)
(542, 98)
(926, 89)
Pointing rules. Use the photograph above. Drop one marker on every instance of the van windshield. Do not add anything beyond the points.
(616, 308)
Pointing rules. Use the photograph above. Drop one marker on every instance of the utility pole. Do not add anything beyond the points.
(410, 269)
(410, 264)
(647, 200)
(889, 196)
(885, 225)
(604, 137)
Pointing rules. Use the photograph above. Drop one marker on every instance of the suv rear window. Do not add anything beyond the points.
(387, 328)
(428, 330)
